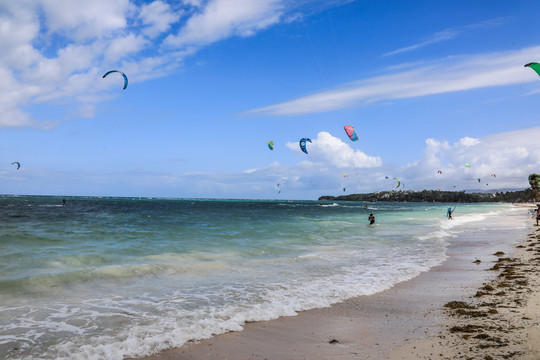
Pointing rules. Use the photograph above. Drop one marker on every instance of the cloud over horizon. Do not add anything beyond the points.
(511, 156)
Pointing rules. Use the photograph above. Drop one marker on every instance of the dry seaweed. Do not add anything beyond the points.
(474, 314)
(480, 294)
(458, 305)
(466, 329)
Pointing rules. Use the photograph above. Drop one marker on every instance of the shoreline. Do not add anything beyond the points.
(404, 322)
(500, 321)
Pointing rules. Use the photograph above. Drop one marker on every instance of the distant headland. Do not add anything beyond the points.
(531, 194)
(527, 195)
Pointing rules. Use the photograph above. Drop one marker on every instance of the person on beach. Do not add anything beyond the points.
(64, 202)
(371, 219)
(537, 213)
(449, 213)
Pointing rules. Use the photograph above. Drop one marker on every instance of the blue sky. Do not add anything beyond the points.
(428, 86)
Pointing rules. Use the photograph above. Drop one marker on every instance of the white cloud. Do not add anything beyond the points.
(18, 26)
(451, 74)
(511, 156)
(448, 34)
(85, 19)
(196, 3)
(468, 141)
(330, 151)
(122, 47)
(224, 18)
(58, 49)
(158, 17)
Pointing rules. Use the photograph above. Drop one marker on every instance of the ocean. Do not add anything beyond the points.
(108, 278)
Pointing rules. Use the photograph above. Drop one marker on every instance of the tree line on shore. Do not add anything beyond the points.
(531, 194)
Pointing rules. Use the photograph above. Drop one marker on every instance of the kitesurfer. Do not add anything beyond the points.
(64, 202)
(371, 219)
(449, 213)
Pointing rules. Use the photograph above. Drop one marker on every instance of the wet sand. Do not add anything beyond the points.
(500, 321)
(410, 320)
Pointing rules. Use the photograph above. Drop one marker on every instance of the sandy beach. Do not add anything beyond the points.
(483, 302)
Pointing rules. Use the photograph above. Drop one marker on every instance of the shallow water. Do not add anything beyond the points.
(115, 277)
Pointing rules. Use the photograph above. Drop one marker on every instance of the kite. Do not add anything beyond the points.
(468, 165)
(440, 172)
(398, 182)
(479, 179)
(271, 145)
(118, 71)
(18, 164)
(493, 175)
(303, 144)
(534, 66)
(345, 176)
(350, 131)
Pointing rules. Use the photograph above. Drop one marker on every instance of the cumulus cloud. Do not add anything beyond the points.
(458, 73)
(124, 46)
(157, 17)
(224, 18)
(332, 151)
(511, 156)
(84, 19)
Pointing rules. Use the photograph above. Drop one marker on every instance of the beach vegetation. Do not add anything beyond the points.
(534, 181)
(522, 196)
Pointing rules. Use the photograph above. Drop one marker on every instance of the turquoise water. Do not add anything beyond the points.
(115, 277)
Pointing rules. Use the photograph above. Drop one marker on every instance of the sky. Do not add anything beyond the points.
(429, 86)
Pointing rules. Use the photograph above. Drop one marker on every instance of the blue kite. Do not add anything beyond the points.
(121, 73)
(303, 144)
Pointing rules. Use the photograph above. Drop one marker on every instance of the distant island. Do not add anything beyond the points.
(529, 195)
(523, 196)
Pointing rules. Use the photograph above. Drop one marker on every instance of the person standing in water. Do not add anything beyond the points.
(449, 213)
(371, 219)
